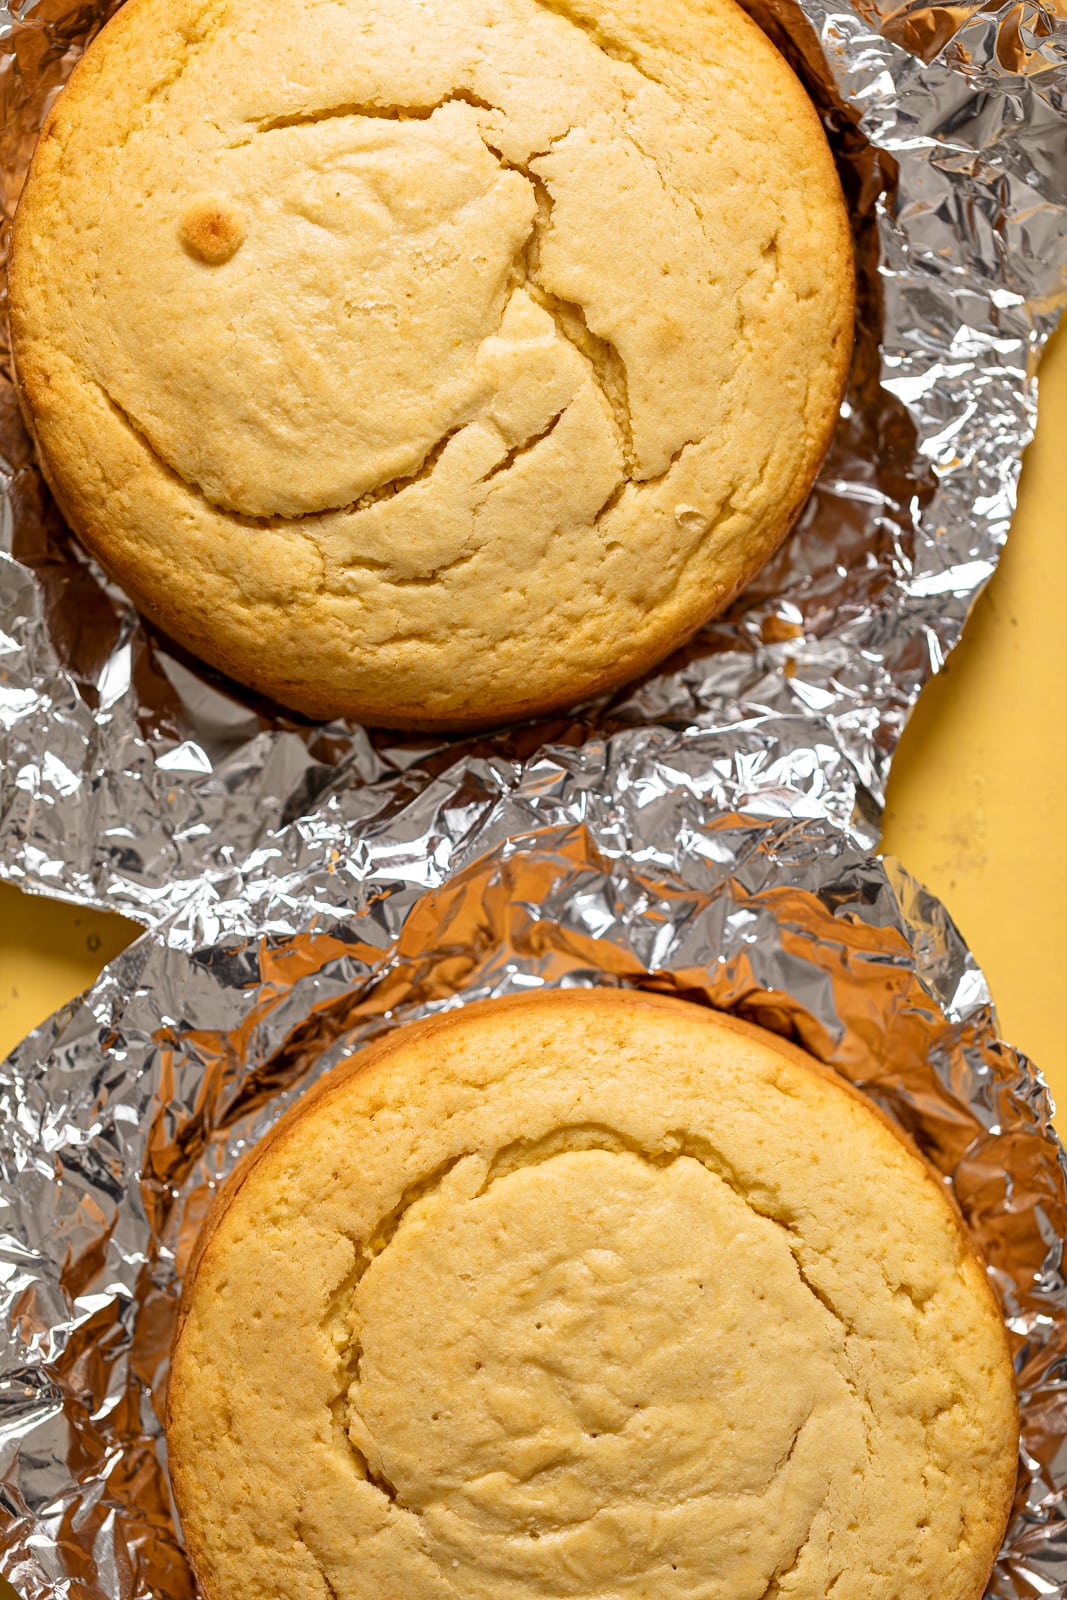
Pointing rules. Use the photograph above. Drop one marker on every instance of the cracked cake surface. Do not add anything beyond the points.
(589, 1294)
(432, 361)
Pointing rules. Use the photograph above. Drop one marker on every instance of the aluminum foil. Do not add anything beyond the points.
(128, 772)
(121, 1115)
(703, 833)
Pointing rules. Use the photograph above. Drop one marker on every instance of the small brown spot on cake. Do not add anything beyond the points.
(212, 230)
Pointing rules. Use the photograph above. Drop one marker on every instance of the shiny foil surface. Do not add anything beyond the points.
(121, 1115)
(128, 771)
(703, 833)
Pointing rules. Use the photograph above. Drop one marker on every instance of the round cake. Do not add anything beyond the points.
(589, 1294)
(431, 362)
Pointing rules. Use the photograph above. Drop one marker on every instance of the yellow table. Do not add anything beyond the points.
(974, 809)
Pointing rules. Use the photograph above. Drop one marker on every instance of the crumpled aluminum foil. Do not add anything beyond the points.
(703, 832)
(128, 771)
(121, 1115)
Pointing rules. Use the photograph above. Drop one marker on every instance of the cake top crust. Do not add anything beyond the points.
(589, 1294)
(432, 362)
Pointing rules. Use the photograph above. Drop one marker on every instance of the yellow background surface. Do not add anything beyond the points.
(975, 800)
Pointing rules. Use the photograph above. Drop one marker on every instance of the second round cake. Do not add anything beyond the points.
(433, 364)
(589, 1294)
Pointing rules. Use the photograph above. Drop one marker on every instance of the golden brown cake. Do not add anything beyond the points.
(432, 364)
(589, 1294)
